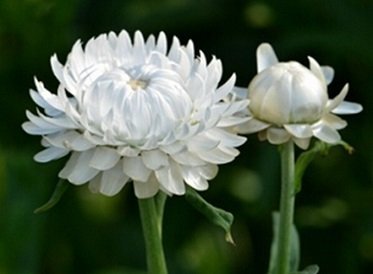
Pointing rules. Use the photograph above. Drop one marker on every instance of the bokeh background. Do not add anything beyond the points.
(91, 234)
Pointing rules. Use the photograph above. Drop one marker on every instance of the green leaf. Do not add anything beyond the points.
(294, 249)
(216, 215)
(312, 269)
(59, 190)
(307, 157)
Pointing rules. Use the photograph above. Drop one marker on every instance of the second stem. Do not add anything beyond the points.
(286, 208)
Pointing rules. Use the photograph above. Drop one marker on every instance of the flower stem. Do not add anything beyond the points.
(286, 208)
(151, 220)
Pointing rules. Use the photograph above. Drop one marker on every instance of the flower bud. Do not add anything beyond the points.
(287, 93)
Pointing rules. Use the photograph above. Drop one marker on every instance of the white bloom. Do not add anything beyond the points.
(289, 101)
(137, 111)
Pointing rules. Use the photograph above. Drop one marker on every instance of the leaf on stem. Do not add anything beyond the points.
(59, 190)
(294, 248)
(216, 215)
(307, 157)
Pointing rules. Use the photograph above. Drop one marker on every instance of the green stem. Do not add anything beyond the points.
(286, 208)
(151, 220)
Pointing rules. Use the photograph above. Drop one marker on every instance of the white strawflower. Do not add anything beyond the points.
(289, 101)
(136, 111)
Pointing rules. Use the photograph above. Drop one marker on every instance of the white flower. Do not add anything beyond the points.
(289, 101)
(136, 111)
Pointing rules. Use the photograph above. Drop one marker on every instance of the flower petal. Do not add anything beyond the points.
(332, 104)
(303, 143)
(252, 126)
(334, 121)
(316, 70)
(110, 182)
(346, 107)
(77, 169)
(326, 133)
(51, 153)
(299, 130)
(225, 89)
(328, 74)
(225, 138)
(277, 136)
(216, 156)
(187, 158)
(104, 158)
(265, 57)
(154, 159)
(134, 168)
(147, 189)
(170, 178)
(208, 171)
(193, 178)
(232, 121)
(71, 140)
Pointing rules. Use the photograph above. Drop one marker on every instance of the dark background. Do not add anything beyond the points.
(87, 233)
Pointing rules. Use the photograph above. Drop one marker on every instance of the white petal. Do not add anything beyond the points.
(332, 104)
(147, 189)
(225, 137)
(110, 182)
(334, 121)
(202, 142)
(173, 147)
(38, 125)
(57, 68)
(232, 121)
(265, 57)
(34, 129)
(51, 99)
(277, 136)
(170, 178)
(162, 43)
(193, 178)
(104, 158)
(299, 130)
(71, 140)
(326, 133)
(316, 70)
(240, 93)
(346, 107)
(216, 156)
(328, 74)
(187, 158)
(135, 169)
(208, 171)
(128, 151)
(225, 89)
(51, 153)
(154, 159)
(303, 143)
(77, 169)
(252, 126)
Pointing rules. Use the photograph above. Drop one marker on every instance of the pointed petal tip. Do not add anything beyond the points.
(265, 56)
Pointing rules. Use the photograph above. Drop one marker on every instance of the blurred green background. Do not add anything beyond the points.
(91, 234)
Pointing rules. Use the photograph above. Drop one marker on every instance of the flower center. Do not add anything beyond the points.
(137, 84)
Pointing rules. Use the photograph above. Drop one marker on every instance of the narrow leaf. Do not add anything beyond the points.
(306, 158)
(294, 249)
(59, 190)
(216, 215)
